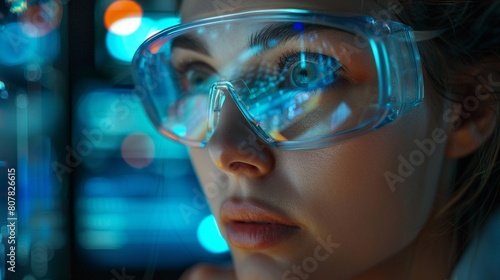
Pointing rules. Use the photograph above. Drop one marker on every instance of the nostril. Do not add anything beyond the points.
(243, 167)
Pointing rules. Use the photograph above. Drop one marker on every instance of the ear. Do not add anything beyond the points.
(475, 117)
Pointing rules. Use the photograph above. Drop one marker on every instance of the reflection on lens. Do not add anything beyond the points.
(187, 118)
(294, 78)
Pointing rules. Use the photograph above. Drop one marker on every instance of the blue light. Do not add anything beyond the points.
(298, 26)
(179, 130)
(102, 239)
(210, 237)
(167, 22)
(124, 47)
(15, 46)
(49, 46)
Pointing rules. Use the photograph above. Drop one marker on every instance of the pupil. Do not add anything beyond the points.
(198, 80)
(302, 76)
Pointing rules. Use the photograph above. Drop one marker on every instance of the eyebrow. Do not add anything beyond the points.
(262, 40)
(191, 43)
(275, 34)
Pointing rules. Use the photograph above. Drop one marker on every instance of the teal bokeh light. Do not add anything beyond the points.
(123, 47)
(209, 236)
(15, 46)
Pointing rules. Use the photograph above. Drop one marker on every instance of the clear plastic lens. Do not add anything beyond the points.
(187, 118)
(293, 81)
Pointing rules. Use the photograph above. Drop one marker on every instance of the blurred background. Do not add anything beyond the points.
(99, 193)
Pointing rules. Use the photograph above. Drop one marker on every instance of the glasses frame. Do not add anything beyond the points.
(384, 37)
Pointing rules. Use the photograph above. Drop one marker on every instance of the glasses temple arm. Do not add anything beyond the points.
(428, 34)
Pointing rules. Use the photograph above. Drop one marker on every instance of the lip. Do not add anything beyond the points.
(253, 225)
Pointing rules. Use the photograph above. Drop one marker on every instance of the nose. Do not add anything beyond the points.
(233, 146)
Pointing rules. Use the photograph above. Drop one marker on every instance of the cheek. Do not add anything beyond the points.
(213, 182)
(348, 195)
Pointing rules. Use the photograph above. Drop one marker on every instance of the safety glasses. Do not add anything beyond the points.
(302, 80)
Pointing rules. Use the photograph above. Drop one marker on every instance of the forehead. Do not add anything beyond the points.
(198, 9)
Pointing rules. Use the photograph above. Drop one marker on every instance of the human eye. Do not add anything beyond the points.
(309, 71)
(195, 77)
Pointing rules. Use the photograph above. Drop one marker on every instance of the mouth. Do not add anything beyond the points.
(251, 225)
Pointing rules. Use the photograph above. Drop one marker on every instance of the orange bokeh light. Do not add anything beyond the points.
(121, 9)
(38, 20)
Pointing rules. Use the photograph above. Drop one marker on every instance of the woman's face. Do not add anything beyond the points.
(334, 211)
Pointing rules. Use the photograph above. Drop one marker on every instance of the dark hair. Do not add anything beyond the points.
(178, 5)
(469, 47)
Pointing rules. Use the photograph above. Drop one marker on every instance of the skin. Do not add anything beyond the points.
(339, 191)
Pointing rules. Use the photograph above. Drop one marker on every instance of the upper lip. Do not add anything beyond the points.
(249, 211)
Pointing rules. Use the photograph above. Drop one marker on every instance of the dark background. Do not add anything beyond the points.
(100, 194)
